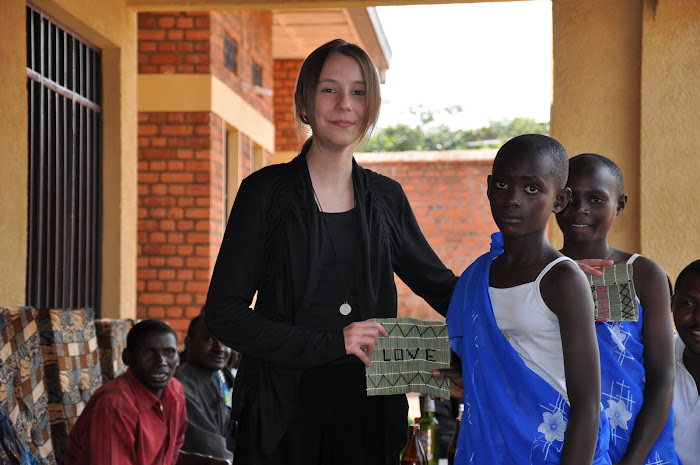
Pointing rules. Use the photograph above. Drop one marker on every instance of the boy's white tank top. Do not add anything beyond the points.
(532, 328)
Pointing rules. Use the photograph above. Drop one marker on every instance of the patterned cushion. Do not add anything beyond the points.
(71, 367)
(111, 341)
(22, 388)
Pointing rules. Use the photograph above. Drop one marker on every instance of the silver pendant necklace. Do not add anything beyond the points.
(345, 308)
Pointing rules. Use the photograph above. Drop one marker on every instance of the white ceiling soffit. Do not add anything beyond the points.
(296, 33)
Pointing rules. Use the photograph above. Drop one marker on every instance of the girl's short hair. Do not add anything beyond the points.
(310, 73)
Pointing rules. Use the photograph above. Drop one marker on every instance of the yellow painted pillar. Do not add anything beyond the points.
(596, 100)
(670, 133)
(111, 27)
(13, 153)
(120, 177)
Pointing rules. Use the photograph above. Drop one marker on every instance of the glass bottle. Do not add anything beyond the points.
(414, 453)
(452, 450)
(429, 431)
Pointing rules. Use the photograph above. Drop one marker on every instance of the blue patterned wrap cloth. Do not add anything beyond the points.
(511, 415)
(622, 379)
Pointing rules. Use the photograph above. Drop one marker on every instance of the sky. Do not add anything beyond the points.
(492, 59)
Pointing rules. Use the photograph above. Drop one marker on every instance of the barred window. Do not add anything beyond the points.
(231, 54)
(257, 75)
(64, 76)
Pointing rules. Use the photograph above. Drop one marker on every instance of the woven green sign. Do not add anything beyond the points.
(614, 295)
(403, 361)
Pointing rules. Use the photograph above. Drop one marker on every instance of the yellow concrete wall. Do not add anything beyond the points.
(163, 92)
(596, 95)
(13, 153)
(670, 133)
(110, 26)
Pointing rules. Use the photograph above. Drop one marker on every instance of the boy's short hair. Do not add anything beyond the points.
(595, 159)
(543, 146)
(144, 327)
(694, 267)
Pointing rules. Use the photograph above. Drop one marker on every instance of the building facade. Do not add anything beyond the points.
(174, 130)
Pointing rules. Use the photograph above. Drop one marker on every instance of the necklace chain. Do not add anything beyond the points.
(325, 223)
(344, 308)
(318, 202)
(608, 256)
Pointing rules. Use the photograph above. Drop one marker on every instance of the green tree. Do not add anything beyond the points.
(403, 137)
(507, 129)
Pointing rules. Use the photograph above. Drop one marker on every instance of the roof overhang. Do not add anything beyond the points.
(296, 33)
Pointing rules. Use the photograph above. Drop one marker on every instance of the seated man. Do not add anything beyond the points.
(140, 417)
(686, 390)
(207, 413)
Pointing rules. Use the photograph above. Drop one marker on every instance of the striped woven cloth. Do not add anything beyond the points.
(613, 294)
(402, 362)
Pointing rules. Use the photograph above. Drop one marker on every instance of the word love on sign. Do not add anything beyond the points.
(388, 355)
(614, 295)
(403, 361)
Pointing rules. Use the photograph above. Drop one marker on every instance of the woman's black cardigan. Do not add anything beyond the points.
(272, 245)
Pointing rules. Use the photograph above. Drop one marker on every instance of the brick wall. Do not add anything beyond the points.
(252, 31)
(181, 157)
(285, 73)
(174, 42)
(246, 157)
(180, 213)
(447, 191)
(193, 42)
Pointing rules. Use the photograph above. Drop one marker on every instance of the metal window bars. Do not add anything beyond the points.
(64, 83)
(231, 54)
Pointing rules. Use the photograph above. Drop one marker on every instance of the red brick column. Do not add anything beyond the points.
(181, 158)
(181, 214)
(252, 32)
(246, 156)
(285, 72)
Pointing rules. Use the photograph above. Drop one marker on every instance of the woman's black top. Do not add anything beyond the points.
(272, 246)
(336, 282)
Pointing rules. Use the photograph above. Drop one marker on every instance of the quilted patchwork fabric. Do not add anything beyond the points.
(111, 341)
(71, 367)
(23, 392)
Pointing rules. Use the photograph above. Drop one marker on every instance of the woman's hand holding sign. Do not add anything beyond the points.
(361, 338)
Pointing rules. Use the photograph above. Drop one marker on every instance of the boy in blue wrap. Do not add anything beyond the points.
(636, 357)
(521, 319)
